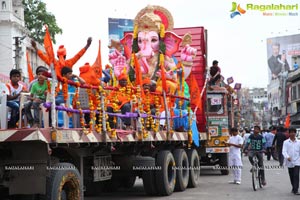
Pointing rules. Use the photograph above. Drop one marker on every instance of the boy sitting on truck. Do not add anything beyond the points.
(38, 94)
(13, 98)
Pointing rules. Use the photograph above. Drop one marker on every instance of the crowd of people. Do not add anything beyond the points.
(278, 143)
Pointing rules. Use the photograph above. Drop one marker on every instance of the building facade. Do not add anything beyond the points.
(254, 107)
(14, 40)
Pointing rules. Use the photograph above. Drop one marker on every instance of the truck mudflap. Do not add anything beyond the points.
(217, 150)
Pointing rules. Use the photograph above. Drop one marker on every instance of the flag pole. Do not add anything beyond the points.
(52, 96)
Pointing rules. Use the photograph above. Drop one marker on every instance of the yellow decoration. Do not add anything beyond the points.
(135, 32)
(161, 59)
(162, 30)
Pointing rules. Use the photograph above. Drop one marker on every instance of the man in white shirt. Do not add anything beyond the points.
(291, 154)
(235, 144)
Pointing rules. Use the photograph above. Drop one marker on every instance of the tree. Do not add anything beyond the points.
(36, 15)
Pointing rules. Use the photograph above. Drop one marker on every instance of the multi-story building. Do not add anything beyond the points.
(14, 40)
(254, 107)
(293, 100)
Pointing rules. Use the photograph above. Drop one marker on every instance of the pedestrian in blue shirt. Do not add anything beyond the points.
(269, 136)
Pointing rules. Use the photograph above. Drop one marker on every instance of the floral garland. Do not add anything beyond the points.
(92, 109)
(48, 86)
(76, 96)
(99, 109)
(65, 88)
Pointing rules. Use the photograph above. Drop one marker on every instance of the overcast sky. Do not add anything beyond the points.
(239, 44)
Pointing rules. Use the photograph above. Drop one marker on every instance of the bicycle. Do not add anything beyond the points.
(256, 174)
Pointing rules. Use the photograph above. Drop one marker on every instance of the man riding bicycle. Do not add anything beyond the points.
(255, 146)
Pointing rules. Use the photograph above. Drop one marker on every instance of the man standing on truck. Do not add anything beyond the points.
(255, 146)
(215, 73)
(235, 144)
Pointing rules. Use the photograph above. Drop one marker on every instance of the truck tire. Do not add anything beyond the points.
(224, 164)
(64, 183)
(166, 175)
(194, 168)
(149, 182)
(182, 169)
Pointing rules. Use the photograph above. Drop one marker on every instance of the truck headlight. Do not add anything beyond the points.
(217, 142)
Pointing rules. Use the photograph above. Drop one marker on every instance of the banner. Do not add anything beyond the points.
(283, 55)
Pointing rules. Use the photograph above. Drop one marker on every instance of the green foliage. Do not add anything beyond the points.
(135, 46)
(36, 15)
(162, 47)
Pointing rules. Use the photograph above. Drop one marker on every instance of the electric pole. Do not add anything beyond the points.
(17, 52)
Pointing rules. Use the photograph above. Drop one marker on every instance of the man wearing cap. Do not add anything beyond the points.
(119, 100)
(61, 55)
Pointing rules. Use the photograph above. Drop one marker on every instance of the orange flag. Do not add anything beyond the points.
(200, 105)
(29, 68)
(98, 63)
(138, 72)
(194, 91)
(48, 45)
(287, 121)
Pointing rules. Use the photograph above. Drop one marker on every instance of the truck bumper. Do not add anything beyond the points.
(217, 150)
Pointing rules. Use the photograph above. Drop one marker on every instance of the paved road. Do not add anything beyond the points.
(214, 186)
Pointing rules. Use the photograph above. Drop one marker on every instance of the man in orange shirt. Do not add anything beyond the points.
(119, 100)
(61, 55)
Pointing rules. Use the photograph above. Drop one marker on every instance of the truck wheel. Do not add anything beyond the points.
(166, 175)
(182, 171)
(149, 182)
(224, 164)
(64, 183)
(194, 169)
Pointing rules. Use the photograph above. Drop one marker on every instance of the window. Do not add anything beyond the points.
(3, 5)
(215, 103)
(294, 92)
(298, 88)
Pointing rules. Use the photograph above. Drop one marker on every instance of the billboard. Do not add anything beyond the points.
(117, 27)
(283, 55)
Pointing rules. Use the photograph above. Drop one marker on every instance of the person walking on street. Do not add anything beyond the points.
(269, 136)
(291, 153)
(279, 138)
(235, 144)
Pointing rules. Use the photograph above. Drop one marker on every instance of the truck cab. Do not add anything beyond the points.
(218, 117)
